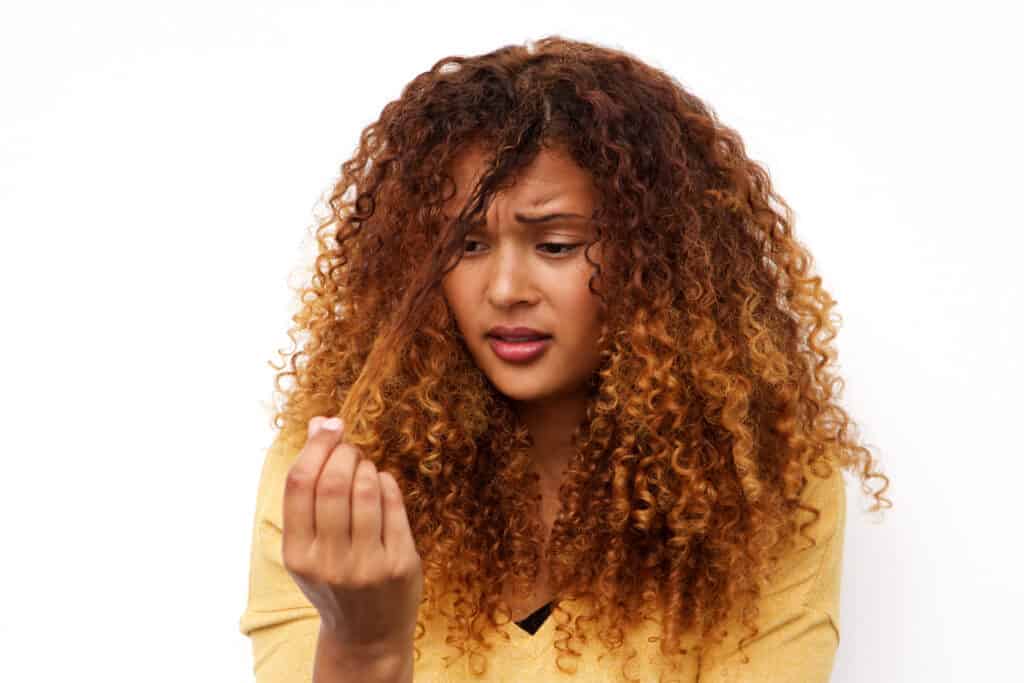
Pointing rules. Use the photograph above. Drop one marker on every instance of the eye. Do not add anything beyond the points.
(558, 249)
(469, 242)
(569, 248)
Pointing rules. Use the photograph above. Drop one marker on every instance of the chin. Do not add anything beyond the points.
(521, 388)
(526, 391)
(519, 393)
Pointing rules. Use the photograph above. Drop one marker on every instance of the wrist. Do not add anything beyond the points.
(340, 662)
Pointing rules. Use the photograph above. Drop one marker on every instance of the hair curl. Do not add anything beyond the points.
(714, 399)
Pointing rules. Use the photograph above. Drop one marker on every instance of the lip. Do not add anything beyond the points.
(518, 352)
(503, 331)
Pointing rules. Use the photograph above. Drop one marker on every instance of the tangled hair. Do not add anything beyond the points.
(713, 402)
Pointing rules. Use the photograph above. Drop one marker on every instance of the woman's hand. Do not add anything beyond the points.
(348, 545)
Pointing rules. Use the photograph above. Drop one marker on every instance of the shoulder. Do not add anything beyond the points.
(809, 564)
(798, 610)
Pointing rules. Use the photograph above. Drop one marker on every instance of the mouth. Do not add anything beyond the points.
(519, 350)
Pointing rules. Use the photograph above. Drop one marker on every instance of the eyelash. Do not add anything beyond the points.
(570, 248)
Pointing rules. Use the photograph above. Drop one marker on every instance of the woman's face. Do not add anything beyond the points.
(526, 267)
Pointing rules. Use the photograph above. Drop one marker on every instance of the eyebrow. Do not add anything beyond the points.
(545, 218)
(540, 220)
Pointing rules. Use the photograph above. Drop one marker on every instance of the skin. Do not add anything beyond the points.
(347, 544)
(512, 274)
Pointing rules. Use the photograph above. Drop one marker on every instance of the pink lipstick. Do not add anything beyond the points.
(518, 352)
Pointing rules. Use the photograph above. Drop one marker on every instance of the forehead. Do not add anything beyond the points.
(550, 176)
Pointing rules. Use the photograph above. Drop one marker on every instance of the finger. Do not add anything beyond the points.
(314, 425)
(397, 533)
(366, 517)
(298, 507)
(334, 500)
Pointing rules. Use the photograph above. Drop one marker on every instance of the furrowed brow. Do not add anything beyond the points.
(531, 220)
(540, 220)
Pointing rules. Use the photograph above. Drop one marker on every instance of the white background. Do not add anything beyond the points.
(160, 164)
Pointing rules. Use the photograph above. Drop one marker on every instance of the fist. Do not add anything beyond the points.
(348, 545)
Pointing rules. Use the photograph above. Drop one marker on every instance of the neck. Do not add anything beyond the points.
(551, 422)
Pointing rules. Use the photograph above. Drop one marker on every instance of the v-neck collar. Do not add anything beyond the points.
(532, 622)
(536, 644)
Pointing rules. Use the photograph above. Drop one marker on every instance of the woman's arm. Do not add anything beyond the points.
(336, 664)
(288, 643)
(278, 619)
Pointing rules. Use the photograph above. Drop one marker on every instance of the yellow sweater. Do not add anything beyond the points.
(799, 616)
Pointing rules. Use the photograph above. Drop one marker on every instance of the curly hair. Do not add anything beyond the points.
(714, 401)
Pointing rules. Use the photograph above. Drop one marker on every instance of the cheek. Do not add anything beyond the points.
(583, 308)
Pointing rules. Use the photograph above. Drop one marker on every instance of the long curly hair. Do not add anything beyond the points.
(714, 401)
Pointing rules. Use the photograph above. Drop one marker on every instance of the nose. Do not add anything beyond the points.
(509, 279)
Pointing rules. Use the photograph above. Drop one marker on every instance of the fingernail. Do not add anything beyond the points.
(334, 424)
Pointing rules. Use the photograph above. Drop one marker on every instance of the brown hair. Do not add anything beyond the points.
(714, 401)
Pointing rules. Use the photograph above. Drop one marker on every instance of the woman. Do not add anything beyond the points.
(644, 482)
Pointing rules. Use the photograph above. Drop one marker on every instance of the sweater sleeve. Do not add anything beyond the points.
(799, 610)
(281, 623)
